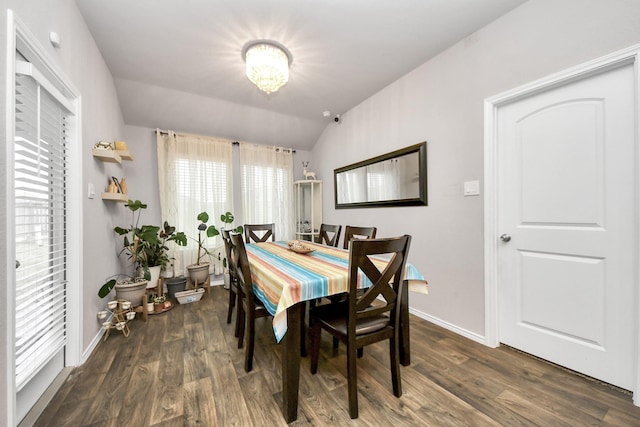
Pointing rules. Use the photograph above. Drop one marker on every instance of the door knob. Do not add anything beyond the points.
(505, 237)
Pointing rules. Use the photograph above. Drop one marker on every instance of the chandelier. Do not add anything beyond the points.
(267, 65)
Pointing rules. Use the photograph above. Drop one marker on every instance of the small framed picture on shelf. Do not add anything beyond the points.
(117, 183)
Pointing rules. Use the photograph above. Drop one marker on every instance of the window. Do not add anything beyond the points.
(194, 176)
(266, 180)
(40, 176)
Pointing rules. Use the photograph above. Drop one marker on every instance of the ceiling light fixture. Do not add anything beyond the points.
(267, 64)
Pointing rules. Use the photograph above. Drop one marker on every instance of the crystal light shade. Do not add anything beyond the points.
(267, 66)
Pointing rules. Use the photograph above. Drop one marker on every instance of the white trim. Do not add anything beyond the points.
(10, 231)
(18, 34)
(626, 56)
(449, 326)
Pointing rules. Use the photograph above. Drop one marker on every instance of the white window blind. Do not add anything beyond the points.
(40, 201)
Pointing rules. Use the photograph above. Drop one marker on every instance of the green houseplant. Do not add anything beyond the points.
(144, 245)
(199, 272)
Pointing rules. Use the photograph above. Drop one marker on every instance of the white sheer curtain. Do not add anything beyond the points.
(384, 181)
(266, 178)
(195, 175)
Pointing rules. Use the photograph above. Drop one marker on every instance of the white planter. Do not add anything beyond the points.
(131, 291)
(155, 275)
(198, 273)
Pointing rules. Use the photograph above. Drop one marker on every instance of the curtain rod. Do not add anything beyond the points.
(164, 132)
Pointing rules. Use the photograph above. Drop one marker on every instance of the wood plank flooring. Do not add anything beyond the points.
(183, 368)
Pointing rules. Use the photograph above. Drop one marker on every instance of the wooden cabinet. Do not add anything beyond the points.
(308, 206)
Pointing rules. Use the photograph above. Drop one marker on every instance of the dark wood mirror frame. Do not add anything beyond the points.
(417, 197)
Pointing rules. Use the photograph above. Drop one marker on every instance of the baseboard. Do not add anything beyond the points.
(39, 407)
(449, 326)
(94, 343)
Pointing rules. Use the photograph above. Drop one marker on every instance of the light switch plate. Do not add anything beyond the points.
(91, 191)
(472, 188)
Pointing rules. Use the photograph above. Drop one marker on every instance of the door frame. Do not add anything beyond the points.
(18, 34)
(492, 105)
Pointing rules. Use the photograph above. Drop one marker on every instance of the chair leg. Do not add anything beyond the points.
(251, 333)
(352, 380)
(232, 303)
(394, 357)
(238, 315)
(314, 336)
(241, 323)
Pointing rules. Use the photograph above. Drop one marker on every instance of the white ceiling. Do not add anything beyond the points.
(177, 64)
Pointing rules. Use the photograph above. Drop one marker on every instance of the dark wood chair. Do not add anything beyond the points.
(233, 280)
(363, 319)
(358, 233)
(259, 232)
(330, 234)
(249, 307)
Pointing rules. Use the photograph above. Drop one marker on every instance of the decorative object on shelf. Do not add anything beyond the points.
(307, 174)
(103, 145)
(121, 311)
(123, 186)
(145, 246)
(120, 145)
(267, 64)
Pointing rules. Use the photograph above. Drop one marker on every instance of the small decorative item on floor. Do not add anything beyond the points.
(121, 312)
(192, 295)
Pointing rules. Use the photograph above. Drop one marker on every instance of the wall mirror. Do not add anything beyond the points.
(398, 178)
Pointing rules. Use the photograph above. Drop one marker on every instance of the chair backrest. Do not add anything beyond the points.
(243, 270)
(386, 281)
(226, 238)
(330, 234)
(358, 233)
(259, 232)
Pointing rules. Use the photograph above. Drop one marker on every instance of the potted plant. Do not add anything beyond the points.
(199, 272)
(227, 219)
(153, 253)
(142, 244)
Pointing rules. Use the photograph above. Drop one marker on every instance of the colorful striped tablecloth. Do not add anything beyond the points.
(282, 278)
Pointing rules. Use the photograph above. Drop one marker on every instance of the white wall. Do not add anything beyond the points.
(442, 102)
(79, 58)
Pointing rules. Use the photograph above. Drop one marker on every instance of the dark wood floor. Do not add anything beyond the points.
(182, 368)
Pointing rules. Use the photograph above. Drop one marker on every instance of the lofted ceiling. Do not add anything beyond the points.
(177, 64)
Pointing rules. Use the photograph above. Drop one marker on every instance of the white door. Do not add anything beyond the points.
(566, 208)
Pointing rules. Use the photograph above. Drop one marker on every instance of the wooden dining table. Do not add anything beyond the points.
(284, 279)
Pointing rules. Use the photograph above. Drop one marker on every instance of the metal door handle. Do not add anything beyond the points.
(505, 237)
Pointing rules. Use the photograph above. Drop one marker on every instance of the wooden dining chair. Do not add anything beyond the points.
(233, 280)
(351, 232)
(249, 307)
(259, 232)
(368, 317)
(330, 234)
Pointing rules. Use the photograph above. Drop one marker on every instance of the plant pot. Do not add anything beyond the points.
(198, 273)
(176, 284)
(150, 307)
(155, 275)
(131, 291)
